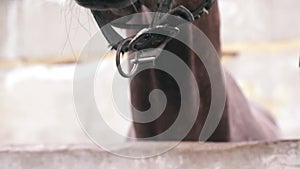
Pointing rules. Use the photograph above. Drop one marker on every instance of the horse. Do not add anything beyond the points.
(241, 119)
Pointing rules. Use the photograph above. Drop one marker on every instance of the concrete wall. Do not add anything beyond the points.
(271, 155)
(41, 29)
(256, 20)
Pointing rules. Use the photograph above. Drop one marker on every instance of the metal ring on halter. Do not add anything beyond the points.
(118, 59)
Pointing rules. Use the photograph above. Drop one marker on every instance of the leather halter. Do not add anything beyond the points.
(148, 34)
(111, 35)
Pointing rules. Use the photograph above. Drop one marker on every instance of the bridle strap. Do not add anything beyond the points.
(112, 37)
(197, 13)
(148, 37)
(164, 6)
(203, 8)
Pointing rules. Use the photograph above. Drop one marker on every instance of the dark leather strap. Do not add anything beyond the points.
(164, 6)
(200, 10)
(112, 37)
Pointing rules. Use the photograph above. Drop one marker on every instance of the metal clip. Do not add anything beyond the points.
(205, 11)
(120, 52)
(147, 45)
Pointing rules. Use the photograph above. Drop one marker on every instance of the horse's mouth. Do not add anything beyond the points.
(105, 4)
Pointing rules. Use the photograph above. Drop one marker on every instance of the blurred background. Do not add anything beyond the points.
(41, 40)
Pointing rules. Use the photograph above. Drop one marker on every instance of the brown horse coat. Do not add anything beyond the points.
(241, 120)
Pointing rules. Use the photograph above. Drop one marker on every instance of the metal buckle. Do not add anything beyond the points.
(118, 59)
(155, 37)
(147, 45)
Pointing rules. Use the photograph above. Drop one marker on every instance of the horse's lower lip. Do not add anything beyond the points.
(90, 5)
(103, 5)
(84, 4)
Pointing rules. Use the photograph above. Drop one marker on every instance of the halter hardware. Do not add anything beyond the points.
(149, 37)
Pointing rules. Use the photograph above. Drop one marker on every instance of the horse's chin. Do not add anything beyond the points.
(105, 4)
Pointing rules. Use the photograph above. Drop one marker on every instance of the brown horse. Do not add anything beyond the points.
(240, 121)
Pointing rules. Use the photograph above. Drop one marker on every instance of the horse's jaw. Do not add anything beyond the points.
(105, 4)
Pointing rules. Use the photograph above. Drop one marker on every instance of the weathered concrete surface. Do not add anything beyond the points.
(40, 29)
(273, 155)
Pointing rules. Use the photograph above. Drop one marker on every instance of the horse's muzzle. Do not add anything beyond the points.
(105, 4)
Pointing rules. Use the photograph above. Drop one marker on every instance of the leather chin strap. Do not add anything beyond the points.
(107, 30)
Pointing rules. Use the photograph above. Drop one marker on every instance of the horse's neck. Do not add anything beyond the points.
(145, 82)
(210, 25)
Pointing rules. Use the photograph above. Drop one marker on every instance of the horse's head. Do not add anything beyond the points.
(105, 11)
